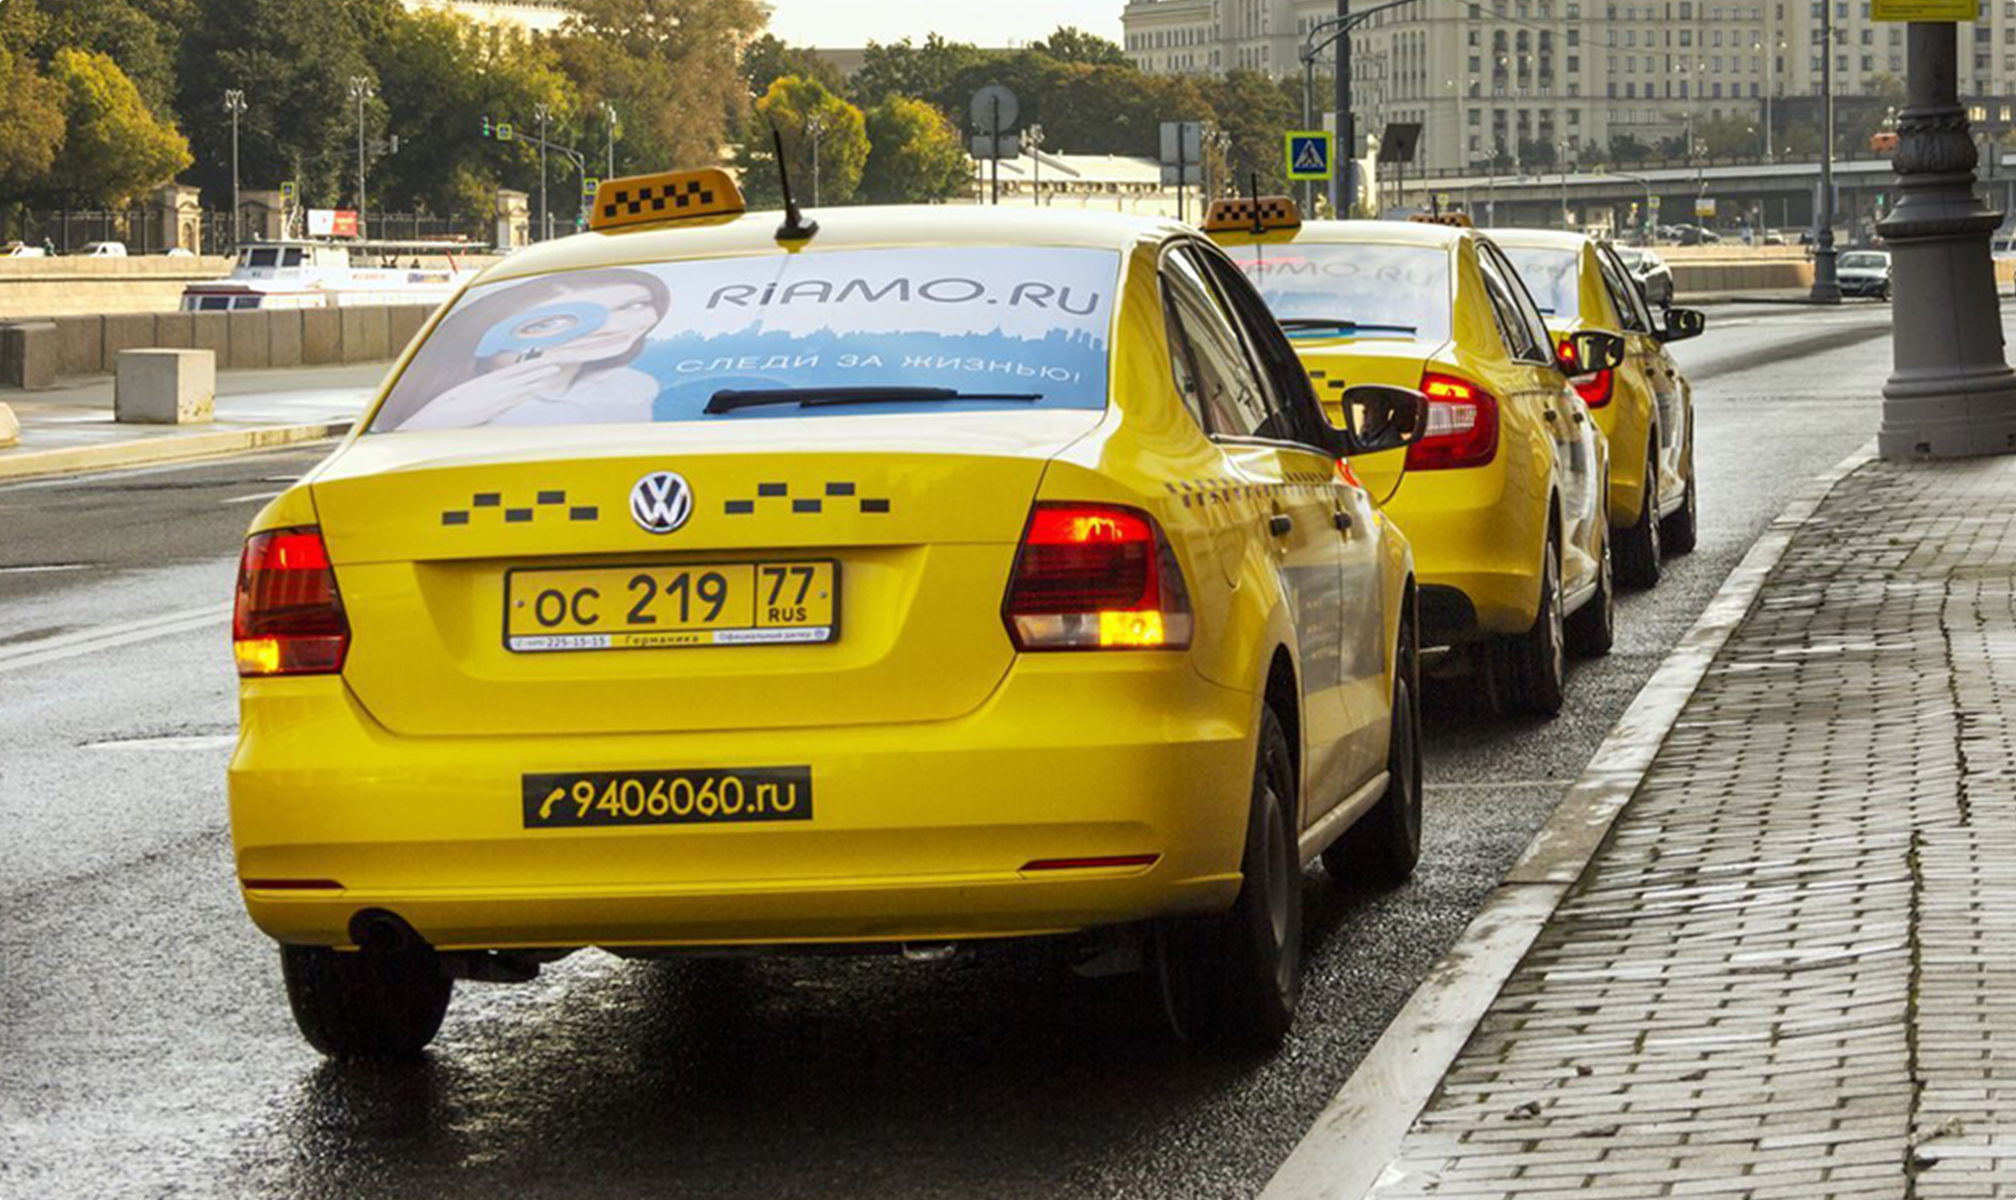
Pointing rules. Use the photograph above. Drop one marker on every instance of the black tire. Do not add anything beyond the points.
(1235, 978)
(1592, 630)
(1638, 547)
(1682, 530)
(1385, 845)
(366, 1004)
(1536, 661)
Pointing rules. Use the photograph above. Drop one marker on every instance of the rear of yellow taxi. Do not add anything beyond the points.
(1472, 496)
(916, 779)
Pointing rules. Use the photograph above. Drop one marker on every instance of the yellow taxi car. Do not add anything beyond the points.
(1503, 499)
(1645, 407)
(942, 575)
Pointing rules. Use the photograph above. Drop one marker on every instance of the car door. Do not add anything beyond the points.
(1649, 356)
(1577, 455)
(1277, 515)
(1350, 510)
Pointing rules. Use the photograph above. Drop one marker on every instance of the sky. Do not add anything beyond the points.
(838, 24)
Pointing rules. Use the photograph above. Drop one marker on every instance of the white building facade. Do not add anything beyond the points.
(1488, 79)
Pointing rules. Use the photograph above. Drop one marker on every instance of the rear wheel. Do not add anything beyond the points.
(1638, 548)
(1384, 846)
(1593, 628)
(366, 1004)
(1537, 660)
(1236, 977)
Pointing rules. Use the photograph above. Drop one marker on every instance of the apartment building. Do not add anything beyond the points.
(1492, 80)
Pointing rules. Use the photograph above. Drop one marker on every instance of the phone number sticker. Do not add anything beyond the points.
(719, 796)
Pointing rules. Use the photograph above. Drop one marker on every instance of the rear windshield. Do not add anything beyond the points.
(1352, 288)
(656, 343)
(1553, 276)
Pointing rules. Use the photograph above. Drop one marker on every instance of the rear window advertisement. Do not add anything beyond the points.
(655, 343)
(1354, 288)
(1553, 278)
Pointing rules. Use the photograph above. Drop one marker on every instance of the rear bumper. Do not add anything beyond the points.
(1478, 542)
(919, 831)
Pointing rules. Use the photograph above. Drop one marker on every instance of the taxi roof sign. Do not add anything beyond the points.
(668, 196)
(1452, 220)
(1266, 214)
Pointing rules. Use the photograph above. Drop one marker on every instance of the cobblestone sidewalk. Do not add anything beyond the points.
(1786, 975)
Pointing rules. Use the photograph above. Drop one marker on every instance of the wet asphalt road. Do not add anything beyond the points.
(146, 1050)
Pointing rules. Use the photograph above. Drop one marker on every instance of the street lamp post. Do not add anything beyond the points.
(543, 113)
(1951, 394)
(1338, 29)
(234, 103)
(814, 127)
(1827, 284)
(360, 91)
(609, 127)
(1032, 140)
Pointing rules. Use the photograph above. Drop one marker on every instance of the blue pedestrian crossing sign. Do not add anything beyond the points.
(1310, 155)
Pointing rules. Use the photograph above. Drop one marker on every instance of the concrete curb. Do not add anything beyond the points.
(31, 464)
(1359, 1133)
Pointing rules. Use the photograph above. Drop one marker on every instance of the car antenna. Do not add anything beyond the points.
(795, 227)
(1253, 194)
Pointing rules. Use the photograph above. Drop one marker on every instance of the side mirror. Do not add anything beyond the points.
(1381, 418)
(1683, 323)
(1590, 351)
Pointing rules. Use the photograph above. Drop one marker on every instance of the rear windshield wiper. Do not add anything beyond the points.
(728, 400)
(1300, 324)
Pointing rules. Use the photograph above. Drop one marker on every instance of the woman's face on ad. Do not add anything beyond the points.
(632, 314)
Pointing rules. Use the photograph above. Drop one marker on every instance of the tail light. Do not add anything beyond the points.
(1096, 577)
(1462, 426)
(289, 619)
(1595, 388)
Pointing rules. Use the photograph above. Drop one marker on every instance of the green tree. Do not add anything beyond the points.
(1073, 45)
(670, 66)
(928, 72)
(440, 77)
(32, 127)
(1255, 115)
(792, 106)
(142, 36)
(1627, 149)
(114, 147)
(770, 58)
(914, 154)
(1728, 137)
(294, 62)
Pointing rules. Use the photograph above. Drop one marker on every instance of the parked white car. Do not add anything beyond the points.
(21, 250)
(103, 250)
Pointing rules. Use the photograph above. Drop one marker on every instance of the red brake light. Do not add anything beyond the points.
(289, 618)
(1096, 577)
(1595, 389)
(1462, 426)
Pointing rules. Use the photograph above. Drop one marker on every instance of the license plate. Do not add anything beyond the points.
(655, 608)
(719, 796)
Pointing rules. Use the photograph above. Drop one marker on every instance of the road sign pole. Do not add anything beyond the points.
(1952, 394)
(1181, 169)
(1343, 179)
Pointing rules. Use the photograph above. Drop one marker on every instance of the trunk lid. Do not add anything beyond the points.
(1338, 364)
(920, 513)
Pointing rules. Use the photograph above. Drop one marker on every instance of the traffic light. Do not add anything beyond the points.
(487, 129)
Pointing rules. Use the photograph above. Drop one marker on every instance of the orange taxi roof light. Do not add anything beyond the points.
(667, 196)
(1264, 215)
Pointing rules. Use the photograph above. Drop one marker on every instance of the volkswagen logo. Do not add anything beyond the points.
(661, 502)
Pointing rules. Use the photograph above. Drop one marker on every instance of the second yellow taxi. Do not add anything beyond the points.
(1503, 498)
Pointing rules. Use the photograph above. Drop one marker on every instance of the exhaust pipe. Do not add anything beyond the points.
(930, 952)
(377, 931)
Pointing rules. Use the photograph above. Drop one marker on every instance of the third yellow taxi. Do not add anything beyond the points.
(714, 581)
(1645, 407)
(1503, 498)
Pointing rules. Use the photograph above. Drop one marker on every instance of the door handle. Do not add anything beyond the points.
(1280, 524)
(1549, 413)
(1344, 522)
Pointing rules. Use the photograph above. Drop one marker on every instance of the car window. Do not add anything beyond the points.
(1624, 292)
(1539, 344)
(1553, 276)
(1223, 380)
(1518, 339)
(1302, 417)
(1391, 291)
(1004, 328)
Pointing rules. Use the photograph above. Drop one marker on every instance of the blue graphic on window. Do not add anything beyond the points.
(543, 329)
